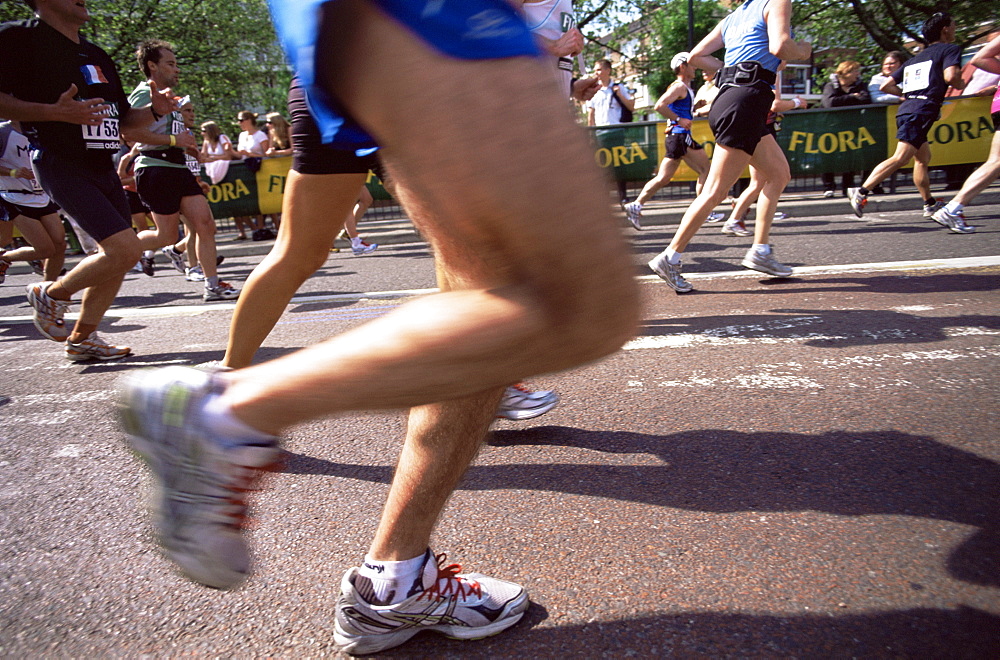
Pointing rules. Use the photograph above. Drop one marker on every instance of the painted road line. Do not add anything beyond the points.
(927, 264)
(194, 310)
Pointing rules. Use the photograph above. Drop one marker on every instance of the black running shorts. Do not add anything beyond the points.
(310, 155)
(679, 143)
(94, 198)
(738, 116)
(163, 188)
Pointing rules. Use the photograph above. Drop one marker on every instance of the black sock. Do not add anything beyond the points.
(929, 201)
(863, 191)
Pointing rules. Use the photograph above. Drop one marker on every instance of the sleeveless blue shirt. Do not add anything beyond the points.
(744, 33)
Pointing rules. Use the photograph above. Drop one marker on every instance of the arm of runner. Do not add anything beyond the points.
(184, 140)
(779, 32)
(701, 55)
(89, 112)
(953, 76)
(890, 86)
(988, 57)
(674, 92)
(585, 88)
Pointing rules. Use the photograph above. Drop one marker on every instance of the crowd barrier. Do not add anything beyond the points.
(815, 141)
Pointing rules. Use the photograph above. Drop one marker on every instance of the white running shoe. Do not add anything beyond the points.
(457, 605)
(716, 216)
(224, 291)
(520, 402)
(737, 228)
(195, 274)
(176, 258)
(202, 478)
(670, 273)
(858, 201)
(765, 263)
(633, 213)
(931, 209)
(49, 312)
(361, 248)
(953, 221)
(94, 348)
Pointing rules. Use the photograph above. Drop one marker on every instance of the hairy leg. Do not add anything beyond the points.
(201, 230)
(520, 306)
(904, 152)
(921, 170)
(668, 167)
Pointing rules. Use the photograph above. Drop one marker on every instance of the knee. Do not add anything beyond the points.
(596, 320)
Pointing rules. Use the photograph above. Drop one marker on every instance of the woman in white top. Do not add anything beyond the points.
(252, 143)
(216, 150)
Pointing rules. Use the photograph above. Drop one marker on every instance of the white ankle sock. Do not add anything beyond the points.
(220, 419)
(762, 248)
(673, 256)
(391, 580)
(953, 207)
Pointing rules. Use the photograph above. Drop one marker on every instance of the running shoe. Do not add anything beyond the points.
(858, 201)
(953, 221)
(361, 247)
(828, 194)
(520, 402)
(94, 348)
(49, 312)
(219, 259)
(457, 605)
(931, 209)
(670, 273)
(765, 263)
(716, 216)
(146, 264)
(224, 291)
(780, 215)
(4, 265)
(38, 267)
(201, 479)
(633, 212)
(195, 274)
(737, 228)
(175, 257)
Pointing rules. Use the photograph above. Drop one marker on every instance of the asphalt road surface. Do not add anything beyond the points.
(806, 467)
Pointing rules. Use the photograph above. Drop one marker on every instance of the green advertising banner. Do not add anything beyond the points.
(244, 193)
(814, 141)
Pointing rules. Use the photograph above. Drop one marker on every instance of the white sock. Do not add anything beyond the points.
(637, 205)
(762, 249)
(356, 241)
(149, 254)
(953, 207)
(391, 580)
(212, 282)
(673, 256)
(221, 421)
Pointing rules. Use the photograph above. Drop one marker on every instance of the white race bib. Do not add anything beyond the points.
(104, 136)
(917, 77)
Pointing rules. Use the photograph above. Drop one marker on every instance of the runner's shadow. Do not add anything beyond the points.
(913, 633)
(718, 471)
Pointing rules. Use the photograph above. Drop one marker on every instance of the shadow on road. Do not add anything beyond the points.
(914, 633)
(841, 473)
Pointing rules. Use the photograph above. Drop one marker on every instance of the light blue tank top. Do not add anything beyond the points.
(744, 33)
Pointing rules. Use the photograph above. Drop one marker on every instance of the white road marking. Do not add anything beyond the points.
(194, 310)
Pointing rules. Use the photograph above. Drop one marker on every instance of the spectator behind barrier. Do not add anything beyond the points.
(846, 89)
(892, 61)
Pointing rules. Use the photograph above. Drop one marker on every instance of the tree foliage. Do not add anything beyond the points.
(227, 51)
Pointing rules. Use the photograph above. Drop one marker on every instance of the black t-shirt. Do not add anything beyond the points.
(922, 77)
(38, 65)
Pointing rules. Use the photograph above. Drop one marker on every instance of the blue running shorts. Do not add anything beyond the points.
(464, 29)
